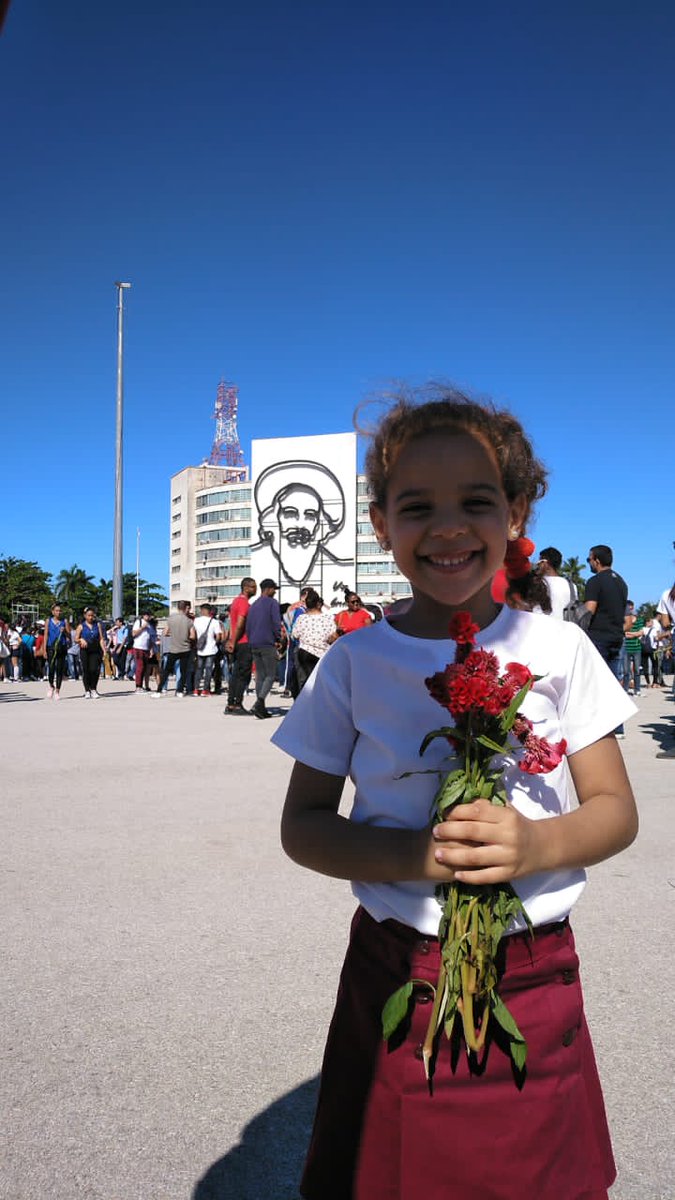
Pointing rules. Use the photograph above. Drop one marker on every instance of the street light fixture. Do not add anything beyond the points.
(117, 596)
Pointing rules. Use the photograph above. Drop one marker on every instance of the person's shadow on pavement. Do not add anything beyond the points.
(267, 1163)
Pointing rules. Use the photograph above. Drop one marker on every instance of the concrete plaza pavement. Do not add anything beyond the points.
(168, 974)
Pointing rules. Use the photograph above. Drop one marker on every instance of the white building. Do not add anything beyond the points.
(302, 520)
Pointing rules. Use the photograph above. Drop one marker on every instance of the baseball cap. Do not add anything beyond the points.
(268, 583)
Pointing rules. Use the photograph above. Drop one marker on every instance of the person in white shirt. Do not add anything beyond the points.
(142, 633)
(209, 634)
(561, 590)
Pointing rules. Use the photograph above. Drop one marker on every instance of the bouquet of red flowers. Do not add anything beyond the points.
(484, 705)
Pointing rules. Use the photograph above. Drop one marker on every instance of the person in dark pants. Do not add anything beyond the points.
(237, 645)
(606, 597)
(92, 648)
(57, 634)
(182, 638)
(263, 626)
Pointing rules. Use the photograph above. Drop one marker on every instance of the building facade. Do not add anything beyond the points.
(300, 519)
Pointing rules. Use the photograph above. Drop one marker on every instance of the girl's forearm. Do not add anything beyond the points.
(601, 827)
(324, 841)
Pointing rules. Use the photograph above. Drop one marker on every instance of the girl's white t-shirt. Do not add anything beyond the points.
(365, 710)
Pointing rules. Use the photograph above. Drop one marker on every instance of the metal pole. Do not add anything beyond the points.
(138, 570)
(117, 594)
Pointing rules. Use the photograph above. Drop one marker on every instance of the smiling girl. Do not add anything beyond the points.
(453, 483)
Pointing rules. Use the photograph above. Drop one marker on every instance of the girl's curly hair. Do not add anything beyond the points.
(412, 413)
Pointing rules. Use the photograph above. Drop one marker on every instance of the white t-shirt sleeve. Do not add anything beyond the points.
(666, 607)
(319, 729)
(593, 702)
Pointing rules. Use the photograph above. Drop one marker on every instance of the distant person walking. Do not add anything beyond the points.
(57, 638)
(143, 635)
(90, 639)
(606, 598)
(238, 647)
(264, 634)
(207, 629)
(181, 634)
(316, 632)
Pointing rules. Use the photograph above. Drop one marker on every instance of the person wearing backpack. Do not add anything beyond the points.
(209, 635)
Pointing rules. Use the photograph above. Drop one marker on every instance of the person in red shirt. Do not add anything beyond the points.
(355, 616)
(237, 646)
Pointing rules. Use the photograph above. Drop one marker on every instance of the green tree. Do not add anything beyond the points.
(151, 597)
(572, 568)
(647, 610)
(75, 590)
(23, 582)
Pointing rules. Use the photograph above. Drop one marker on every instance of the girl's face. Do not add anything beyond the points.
(447, 519)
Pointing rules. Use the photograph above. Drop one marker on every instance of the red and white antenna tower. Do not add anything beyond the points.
(226, 450)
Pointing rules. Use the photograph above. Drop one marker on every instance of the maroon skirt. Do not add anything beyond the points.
(379, 1134)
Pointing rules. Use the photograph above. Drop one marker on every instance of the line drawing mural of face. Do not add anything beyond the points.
(301, 507)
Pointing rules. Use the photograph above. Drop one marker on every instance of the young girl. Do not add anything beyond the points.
(453, 482)
(57, 637)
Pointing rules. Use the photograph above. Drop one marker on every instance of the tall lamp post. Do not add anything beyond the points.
(117, 597)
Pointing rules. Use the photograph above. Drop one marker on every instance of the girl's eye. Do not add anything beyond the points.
(414, 509)
(479, 502)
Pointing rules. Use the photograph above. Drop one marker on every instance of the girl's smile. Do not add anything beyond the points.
(448, 519)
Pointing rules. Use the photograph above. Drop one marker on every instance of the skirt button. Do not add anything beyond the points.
(568, 1037)
(423, 947)
(569, 976)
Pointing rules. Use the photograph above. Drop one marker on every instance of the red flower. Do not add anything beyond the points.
(519, 673)
(462, 629)
(522, 727)
(517, 558)
(541, 756)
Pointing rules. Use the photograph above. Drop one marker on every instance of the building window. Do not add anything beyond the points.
(176, 533)
(241, 553)
(176, 517)
(176, 500)
(240, 533)
(228, 497)
(175, 552)
(371, 548)
(362, 486)
(221, 515)
(376, 568)
(175, 587)
(364, 527)
(175, 570)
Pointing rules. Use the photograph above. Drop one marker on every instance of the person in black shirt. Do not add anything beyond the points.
(606, 596)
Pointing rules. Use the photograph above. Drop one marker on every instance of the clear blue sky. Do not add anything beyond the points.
(311, 199)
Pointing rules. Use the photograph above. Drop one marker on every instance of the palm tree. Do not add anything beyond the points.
(75, 589)
(572, 569)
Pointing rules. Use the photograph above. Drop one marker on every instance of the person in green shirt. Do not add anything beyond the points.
(633, 629)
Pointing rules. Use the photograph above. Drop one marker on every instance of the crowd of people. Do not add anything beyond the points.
(208, 652)
(279, 646)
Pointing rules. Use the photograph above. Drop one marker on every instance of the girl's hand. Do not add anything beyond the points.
(485, 843)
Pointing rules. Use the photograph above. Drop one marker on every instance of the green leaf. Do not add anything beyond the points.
(486, 741)
(395, 1010)
(448, 795)
(509, 716)
(503, 1017)
(518, 1054)
(446, 732)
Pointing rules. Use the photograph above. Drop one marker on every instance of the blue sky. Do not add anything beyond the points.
(311, 200)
